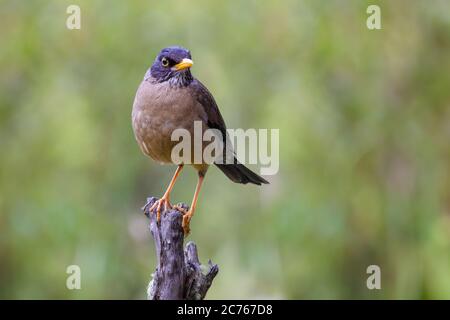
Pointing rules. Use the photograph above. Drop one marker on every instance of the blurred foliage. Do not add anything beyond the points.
(364, 119)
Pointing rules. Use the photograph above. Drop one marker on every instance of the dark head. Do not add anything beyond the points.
(172, 64)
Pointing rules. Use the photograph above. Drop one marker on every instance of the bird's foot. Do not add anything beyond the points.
(184, 209)
(163, 202)
(186, 222)
(181, 207)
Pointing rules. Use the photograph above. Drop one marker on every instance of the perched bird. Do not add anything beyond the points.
(168, 98)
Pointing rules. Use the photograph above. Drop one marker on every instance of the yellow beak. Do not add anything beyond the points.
(185, 63)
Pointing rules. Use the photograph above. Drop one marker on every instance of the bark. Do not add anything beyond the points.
(179, 274)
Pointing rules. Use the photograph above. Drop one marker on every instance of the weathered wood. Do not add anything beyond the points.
(178, 273)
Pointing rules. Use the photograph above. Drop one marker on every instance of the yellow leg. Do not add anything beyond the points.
(165, 200)
(188, 216)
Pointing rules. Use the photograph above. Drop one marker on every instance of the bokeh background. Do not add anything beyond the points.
(364, 119)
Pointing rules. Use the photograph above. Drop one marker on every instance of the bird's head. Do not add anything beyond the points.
(173, 64)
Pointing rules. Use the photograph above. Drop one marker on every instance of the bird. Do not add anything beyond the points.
(169, 98)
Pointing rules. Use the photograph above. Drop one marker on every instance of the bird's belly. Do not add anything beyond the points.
(154, 137)
(156, 115)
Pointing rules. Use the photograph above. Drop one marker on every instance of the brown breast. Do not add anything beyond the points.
(158, 110)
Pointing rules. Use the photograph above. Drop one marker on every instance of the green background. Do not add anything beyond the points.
(364, 119)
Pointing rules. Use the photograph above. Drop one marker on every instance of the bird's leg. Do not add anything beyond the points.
(165, 200)
(188, 216)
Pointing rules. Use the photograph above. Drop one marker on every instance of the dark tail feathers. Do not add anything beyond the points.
(240, 174)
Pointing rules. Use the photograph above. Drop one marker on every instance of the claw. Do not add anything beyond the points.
(187, 215)
(181, 208)
(186, 222)
(158, 204)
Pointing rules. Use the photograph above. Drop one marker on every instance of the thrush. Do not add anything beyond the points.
(170, 98)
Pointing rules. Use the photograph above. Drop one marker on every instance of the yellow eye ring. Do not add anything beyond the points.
(165, 62)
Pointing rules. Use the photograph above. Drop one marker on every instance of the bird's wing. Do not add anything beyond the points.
(204, 97)
(214, 119)
(235, 171)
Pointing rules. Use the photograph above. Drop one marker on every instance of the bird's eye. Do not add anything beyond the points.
(165, 62)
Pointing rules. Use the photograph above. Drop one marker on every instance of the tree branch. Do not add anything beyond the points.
(178, 273)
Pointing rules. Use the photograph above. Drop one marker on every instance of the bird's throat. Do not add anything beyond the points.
(181, 78)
